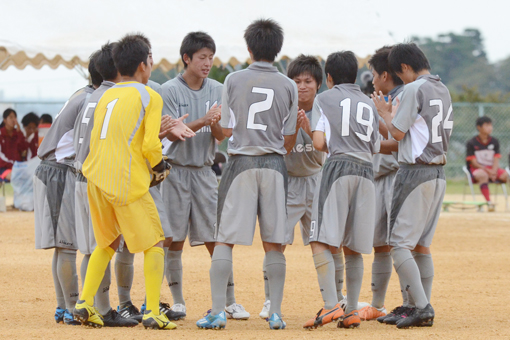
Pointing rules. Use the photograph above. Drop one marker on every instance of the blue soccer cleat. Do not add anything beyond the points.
(59, 315)
(218, 321)
(276, 322)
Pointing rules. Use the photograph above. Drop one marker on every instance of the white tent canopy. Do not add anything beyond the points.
(61, 32)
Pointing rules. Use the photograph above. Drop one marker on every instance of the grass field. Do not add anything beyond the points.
(470, 293)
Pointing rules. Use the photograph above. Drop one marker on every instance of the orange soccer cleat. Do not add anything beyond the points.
(324, 316)
(371, 313)
(350, 320)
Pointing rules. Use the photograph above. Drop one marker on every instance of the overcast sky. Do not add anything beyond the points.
(401, 18)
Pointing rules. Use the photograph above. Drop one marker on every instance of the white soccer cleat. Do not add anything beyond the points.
(179, 307)
(343, 304)
(264, 314)
(237, 312)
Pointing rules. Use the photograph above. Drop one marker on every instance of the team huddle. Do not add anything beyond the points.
(126, 168)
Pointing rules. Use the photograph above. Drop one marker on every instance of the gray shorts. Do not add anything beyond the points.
(252, 186)
(84, 231)
(417, 198)
(384, 195)
(54, 185)
(344, 208)
(190, 196)
(299, 206)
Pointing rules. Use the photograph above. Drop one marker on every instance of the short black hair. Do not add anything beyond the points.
(30, 118)
(129, 52)
(46, 118)
(409, 54)
(305, 64)
(264, 38)
(104, 62)
(95, 76)
(195, 41)
(8, 111)
(379, 62)
(342, 67)
(483, 120)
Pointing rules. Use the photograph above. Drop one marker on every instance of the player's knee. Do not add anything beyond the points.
(318, 247)
(348, 251)
(176, 246)
(422, 249)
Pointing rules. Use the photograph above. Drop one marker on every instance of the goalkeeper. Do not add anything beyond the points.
(127, 121)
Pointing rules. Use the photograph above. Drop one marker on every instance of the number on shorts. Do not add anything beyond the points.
(259, 107)
(107, 117)
(438, 119)
(346, 114)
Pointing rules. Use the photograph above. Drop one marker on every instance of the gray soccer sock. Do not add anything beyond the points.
(173, 273)
(381, 274)
(231, 297)
(426, 267)
(266, 281)
(353, 280)
(325, 267)
(339, 274)
(276, 268)
(124, 272)
(409, 273)
(83, 268)
(221, 268)
(61, 302)
(66, 271)
(102, 297)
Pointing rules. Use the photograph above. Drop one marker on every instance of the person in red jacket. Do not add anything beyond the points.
(13, 146)
(30, 124)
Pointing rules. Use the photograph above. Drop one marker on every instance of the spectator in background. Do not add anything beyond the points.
(13, 146)
(44, 125)
(367, 87)
(30, 124)
(483, 158)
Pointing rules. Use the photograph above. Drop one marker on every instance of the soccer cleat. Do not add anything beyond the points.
(87, 315)
(343, 304)
(395, 315)
(59, 315)
(152, 321)
(237, 312)
(419, 317)
(130, 311)
(350, 320)
(69, 319)
(370, 313)
(114, 319)
(324, 316)
(171, 314)
(276, 322)
(218, 321)
(264, 313)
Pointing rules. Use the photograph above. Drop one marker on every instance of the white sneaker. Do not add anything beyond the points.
(343, 303)
(179, 307)
(264, 314)
(236, 311)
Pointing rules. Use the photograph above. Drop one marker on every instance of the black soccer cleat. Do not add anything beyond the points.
(419, 317)
(170, 314)
(130, 311)
(113, 319)
(395, 315)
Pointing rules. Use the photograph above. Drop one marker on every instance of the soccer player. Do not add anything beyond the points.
(258, 114)
(123, 140)
(345, 125)
(422, 124)
(54, 204)
(385, 169)
(482, 159)
(191, 190)
(304, 162)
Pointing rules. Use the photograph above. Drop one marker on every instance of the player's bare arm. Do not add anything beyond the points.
(319, 141)
(212, 117)
(217, 131)
(383, 130)
(388, 146)
(227, 132)
(176, 129)
(387, 111)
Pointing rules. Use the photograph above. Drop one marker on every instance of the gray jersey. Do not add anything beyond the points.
(84, 124)
(260, 106)
(58, 144)
(155, 86)
(425, 115)
(350, 121)
(303, 160)
(386, 164)
(179, 99)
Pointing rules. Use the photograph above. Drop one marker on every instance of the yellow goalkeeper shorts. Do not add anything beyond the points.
(138, 222)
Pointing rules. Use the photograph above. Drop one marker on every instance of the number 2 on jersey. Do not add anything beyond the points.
(259, 107)
(438, 119)
(109, 110)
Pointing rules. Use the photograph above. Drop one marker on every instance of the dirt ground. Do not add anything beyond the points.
(471, 291)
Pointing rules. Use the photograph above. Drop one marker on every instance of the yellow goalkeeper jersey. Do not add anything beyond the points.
(127, 120)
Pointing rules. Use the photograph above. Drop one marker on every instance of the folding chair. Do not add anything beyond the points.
(497, 184)
(3, 182)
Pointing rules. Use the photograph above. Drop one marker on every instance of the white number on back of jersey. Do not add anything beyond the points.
(346, 115)
(109, 110)
(438, 119)
(86, 117)
(259, 107)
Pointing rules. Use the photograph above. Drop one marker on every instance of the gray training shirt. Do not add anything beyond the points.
(425, 115)
(386, 164)
(179, 99)
(350, 121)
(85, 123)
(58, 144)
(303, 160)
(260, 106)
